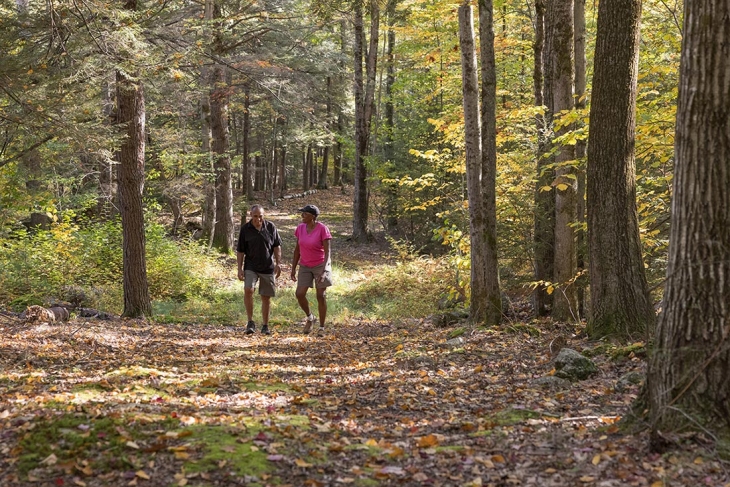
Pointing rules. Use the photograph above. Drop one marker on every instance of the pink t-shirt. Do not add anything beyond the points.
(311, 244)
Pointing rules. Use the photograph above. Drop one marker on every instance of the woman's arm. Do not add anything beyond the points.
(295, 262)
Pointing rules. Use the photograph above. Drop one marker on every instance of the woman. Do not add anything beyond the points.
(312, 251)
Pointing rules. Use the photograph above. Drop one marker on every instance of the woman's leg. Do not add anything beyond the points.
(301, 294)
(322, 305)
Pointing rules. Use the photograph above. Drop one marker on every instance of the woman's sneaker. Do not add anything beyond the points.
(308, 324)
(320, 331)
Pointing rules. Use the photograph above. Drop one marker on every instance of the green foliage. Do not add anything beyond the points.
(42, 266)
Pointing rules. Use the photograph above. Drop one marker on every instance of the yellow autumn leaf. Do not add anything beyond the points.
(478, 368)
(428, 441)
(699, 461)
(498, 459)
(181, 455)
(562, 187)
(142, 474)
(302, 463)
(596, 460)
(132, 444)
(371, 442)
(658, 483)
(550, 289)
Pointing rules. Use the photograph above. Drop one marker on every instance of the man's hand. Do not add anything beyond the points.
(240, 274)
(277, 271)
(293, 275)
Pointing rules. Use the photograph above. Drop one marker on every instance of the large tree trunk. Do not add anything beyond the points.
(364, 99)
(131, 116)
(491, 301)
(620, 304)
(688, 380)
(560, 48)
(544, 232)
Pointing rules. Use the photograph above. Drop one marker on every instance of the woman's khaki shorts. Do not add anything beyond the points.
(309, 276)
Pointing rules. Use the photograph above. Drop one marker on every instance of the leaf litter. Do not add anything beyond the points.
(136, 403)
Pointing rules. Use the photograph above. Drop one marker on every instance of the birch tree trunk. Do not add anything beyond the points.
(688, 380)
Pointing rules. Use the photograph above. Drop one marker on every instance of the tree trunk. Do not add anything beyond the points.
(223, 238)
(560, 48)
(472, 143)
(391, 190)
(209, 209)
(246, 159)
(688, 380)
(544, 232)
(131, 116)
(620, 304)
(364, 100)
(579, 41)
(491, 300)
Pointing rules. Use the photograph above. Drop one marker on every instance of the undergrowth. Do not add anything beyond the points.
(190, 284)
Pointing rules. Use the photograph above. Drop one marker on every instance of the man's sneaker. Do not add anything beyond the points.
(265, 330)
(250, 328)
(320, 331)
(308, 324)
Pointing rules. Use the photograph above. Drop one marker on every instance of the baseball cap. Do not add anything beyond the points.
(309, 209)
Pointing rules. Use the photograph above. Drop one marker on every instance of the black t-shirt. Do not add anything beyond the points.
(258, 246)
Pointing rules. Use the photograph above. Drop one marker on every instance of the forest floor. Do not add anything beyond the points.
(130, 402)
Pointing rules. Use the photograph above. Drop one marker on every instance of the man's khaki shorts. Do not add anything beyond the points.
(309, 276)
(267, 284)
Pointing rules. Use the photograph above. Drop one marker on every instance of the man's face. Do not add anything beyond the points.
(257, 217)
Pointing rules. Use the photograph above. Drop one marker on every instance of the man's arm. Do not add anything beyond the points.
(239, 261)
(277, 261)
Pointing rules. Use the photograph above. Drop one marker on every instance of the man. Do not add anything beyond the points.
(259, 260)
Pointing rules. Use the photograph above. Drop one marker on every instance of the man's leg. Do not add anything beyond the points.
(265, 302)
(248, 302)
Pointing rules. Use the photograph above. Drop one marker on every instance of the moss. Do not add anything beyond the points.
(523, 328)
(457, 332)
(637, 349)
(222, 443)
(509, 417)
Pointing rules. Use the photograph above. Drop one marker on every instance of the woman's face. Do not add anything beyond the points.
(307, 217)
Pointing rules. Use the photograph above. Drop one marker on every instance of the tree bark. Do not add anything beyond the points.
(688, 380)
(560, 48)
(223, 238)
(131, 116)
(491, 300)
(544, 231)
(620, 304)
(579, 41)
(364, 99)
